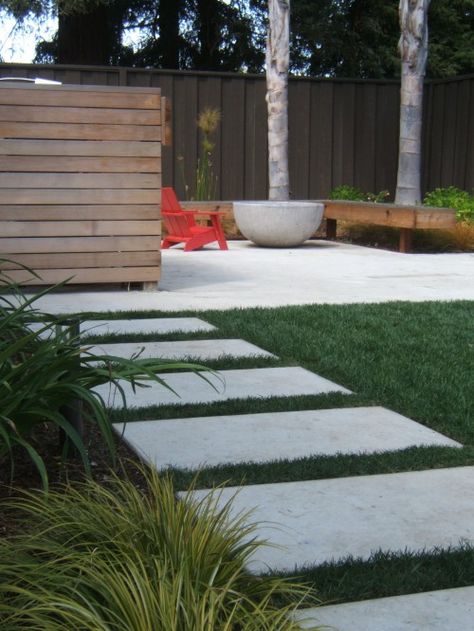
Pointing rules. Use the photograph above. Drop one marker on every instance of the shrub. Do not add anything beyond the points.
(116, 558)
(45, 372)
(351, 193)
(452, 197)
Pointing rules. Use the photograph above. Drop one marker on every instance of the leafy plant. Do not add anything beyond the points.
(351, 193)
(118, 558)
(378, 198)
(452, 197)
(44, 371)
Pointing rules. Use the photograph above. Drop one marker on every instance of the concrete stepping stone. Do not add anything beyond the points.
(229, 384)
(146, 325)
(437, 611)
(195, 349)
(208, 441)
(159, 326)
(324, 520)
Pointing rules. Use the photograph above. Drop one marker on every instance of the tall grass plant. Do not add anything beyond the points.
(103, 558)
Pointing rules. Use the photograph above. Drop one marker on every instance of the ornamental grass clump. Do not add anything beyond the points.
(45, 372)
(103, 558)
(206, 181)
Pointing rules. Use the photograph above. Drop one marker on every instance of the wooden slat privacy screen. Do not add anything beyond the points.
(80, 183)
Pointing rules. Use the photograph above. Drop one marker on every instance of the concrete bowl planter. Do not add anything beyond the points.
(278, 224)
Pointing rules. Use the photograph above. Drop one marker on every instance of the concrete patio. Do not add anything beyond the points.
(310, 521)
(317, 272)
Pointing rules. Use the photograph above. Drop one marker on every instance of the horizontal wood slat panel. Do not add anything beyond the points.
(78, 244)
(80, 183)
(89, 275)
(82, 164)
(37, 114)
(80, 131)
(79, 96)
(80, 196)
(79, 180)
(75, 213)
(83, 259)
(79, 228)
(79, 148)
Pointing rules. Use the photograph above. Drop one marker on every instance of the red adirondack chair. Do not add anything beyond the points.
(181, 225)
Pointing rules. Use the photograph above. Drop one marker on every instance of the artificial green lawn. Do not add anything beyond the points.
(414, 358)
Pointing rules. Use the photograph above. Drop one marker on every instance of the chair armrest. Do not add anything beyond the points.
(208, 213)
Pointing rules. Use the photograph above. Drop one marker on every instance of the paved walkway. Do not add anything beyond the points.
(356, 515)
(317, 272)
(313, 521)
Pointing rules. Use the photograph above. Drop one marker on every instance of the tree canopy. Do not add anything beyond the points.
(332, 38)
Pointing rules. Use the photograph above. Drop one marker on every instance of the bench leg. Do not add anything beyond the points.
(331, 229)
(406, 235)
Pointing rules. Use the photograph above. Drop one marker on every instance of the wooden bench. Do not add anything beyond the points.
(407, 218)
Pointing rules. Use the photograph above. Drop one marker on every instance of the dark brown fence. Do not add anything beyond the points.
(341, 131)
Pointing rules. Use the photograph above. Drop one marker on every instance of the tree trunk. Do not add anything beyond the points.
(413, 47)
(90, 35)
(209, 34)
(169, 32)
(278, 61)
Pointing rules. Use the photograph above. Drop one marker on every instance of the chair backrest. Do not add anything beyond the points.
(169, 201)
(176, 224)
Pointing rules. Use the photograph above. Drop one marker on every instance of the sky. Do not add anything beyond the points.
(18, 45)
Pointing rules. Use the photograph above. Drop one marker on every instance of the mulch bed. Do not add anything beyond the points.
(25, 476)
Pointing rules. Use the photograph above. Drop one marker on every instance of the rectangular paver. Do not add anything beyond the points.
(146, 325)
(193, 349)
(208, 441)
(429, 611)
(160, 326)
(229, 384)
(323, 520)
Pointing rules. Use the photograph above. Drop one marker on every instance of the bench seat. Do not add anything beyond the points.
(407, 218)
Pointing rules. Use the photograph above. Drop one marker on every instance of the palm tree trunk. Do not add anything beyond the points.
(413, 47)
(277, 62)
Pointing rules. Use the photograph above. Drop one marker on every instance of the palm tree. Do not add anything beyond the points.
(278, 222)
(277, 62)
(413, 46)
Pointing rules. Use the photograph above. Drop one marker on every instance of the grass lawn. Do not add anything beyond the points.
(414, 358)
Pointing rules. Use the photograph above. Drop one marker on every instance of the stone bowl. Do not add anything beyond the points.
(278, 224)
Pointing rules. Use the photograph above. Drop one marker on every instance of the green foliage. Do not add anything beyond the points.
(44, 371)
(120, 558)
(451, 24)
(452, 197)
(351, 193)
(353, 38)
(393, 573)
(329, 38)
